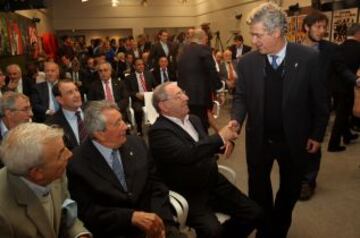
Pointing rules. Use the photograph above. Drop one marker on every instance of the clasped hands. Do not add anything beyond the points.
(150, 223)
(229, 133)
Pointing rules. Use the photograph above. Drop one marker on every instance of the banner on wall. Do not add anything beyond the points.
(15, 38)
(295, 33)
(342, 20)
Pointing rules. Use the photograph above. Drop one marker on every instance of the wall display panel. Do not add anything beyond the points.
(342, 20)
(17, 34)
(328, 31)
(295, 33)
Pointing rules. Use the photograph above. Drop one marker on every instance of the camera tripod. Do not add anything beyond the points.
(218, 43)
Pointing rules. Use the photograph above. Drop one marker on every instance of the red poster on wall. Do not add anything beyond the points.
(15, 38)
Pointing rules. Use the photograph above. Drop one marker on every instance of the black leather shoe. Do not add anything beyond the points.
(307, 192)
(336, 148)
(348, 139)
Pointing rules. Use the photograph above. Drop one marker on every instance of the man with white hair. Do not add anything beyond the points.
(283, 98)
(198, 75)
(33, 190)
(15, 109)
(16, 82)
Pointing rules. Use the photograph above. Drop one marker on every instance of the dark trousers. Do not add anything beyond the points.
(278, 213)
(312, 167)
(341, 127)
(225, 198)
(201, 112)
(139, 115)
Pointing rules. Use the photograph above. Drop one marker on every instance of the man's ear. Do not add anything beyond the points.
(99, 136)
(307, 28)
(163, 107)
(36, 175)
(59, 100)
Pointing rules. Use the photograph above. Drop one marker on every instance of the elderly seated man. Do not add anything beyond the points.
(113, 179)
(186, 161)
(33, 189)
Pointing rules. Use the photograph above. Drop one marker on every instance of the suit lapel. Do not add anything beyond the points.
(178, 129)
(100, 89)
(33, 207)
(291, 66)
(67, 128)
(57, 202)
(128, 158)
(99, 165)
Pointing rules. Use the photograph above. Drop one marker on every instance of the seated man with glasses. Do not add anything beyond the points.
(15, 109)
(186, 160)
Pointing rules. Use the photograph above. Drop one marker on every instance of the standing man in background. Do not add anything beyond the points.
(278, 87)
(198, 75)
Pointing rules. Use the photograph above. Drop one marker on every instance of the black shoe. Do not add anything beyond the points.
(336, 148)
(307, 192)
(348, 139)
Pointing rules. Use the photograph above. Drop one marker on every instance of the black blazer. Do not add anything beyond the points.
(40, 101)
(133, 87)
(157, 51)
(120, 94)
(186, 166)
(304, 108)
(157, 74)
(197, 74)
(104, 206)
(69, 136)
(233, 49)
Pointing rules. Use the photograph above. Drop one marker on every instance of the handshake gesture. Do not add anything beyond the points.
(229, 133)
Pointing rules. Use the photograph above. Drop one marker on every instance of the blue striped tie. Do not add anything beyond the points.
(118, 168)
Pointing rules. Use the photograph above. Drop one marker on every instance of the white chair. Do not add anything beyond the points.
(181, 206)
(131, 114)
(150, 114)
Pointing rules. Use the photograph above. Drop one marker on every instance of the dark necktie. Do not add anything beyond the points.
(118, 169)
(165, 77)
(274, 64)
(81, 127)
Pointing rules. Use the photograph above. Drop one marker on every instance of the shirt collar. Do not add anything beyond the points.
(71, 114)
(40, 191)
(177, 120)
(4, 129)
(104, 151)
(280, 54)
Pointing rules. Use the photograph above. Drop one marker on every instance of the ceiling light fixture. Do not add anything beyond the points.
(84, 0)
(144, 3)
(114, 3)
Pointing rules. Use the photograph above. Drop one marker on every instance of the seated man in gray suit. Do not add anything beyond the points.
(33, 189)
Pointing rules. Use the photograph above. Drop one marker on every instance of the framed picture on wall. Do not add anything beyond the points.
(328, 31)
(4, 37)
(342, 20)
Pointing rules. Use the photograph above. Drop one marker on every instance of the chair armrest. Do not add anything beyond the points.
(181, 208)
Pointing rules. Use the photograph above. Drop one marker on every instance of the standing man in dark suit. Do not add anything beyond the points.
(16, 81)
(35, 201)
(162, 48)
(198, 75)
(88, 74)
(186, 161)
(228, 70)
(238, 49)
(163, 73)
(70, 116)
(280, 93)
(108, 88)
(138, 83)
(112, 178)
(42, 99)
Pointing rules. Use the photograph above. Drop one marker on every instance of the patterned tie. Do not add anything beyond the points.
(143, 83)
(274, 64)
(165, 77)
(118, 169)
(81, 128)
(109, 97)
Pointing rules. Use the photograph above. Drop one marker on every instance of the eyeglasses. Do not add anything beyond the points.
(26, 109)
(177, 96)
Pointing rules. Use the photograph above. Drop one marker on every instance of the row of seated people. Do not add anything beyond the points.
(103, 86)
(119, 185)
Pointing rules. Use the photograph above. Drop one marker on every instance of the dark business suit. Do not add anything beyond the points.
(40, 101)
(189, 168)
(120, 94)
(304, 115)
(69, 136)
(104, 206)
(199, 78)
(343, 91)
(157, 51)
(233, 50)
(157, 72)
(133, 88)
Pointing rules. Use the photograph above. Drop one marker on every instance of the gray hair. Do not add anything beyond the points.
(23, 147)
(107, 63)
(198, 36)
(159, 95)
(94, 119)
(8, 101)
(16, 66)
(271, 15)
(354, 28)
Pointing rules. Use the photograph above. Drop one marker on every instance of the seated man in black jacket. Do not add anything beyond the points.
(186, 161)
